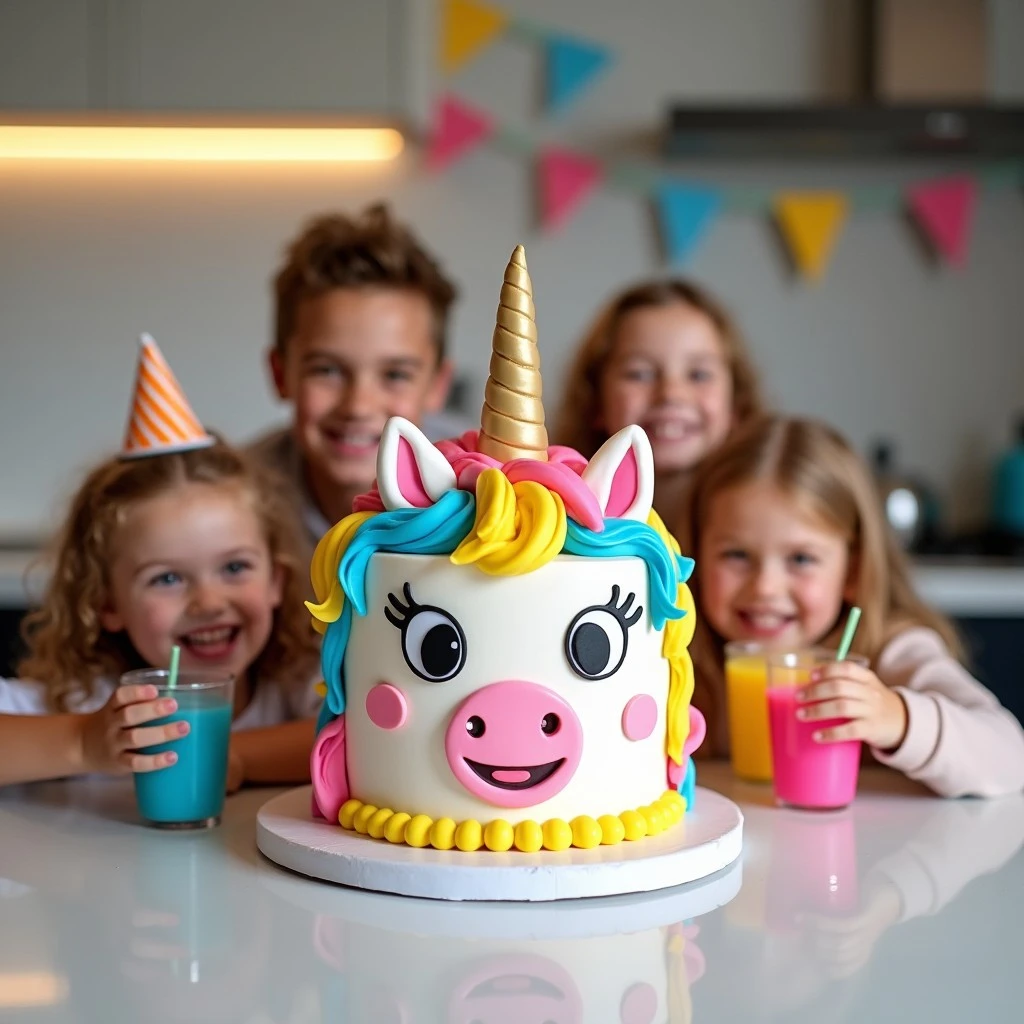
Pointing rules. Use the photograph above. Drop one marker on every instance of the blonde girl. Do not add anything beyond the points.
(194, 549)
(788, 534)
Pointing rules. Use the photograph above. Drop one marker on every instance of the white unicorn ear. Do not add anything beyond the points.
(621, 475)
(411, 472)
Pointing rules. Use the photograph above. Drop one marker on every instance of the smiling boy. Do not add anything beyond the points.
(361, 313)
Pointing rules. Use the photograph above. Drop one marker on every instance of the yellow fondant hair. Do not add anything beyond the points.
(323, 570)
(677, 636)
(519, 527)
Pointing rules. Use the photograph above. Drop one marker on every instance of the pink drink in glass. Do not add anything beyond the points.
(806, 773)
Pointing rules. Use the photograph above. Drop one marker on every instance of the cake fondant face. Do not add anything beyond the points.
(516, 690)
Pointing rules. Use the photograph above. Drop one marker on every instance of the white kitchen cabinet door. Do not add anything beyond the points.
(45, 55)
(322, 56)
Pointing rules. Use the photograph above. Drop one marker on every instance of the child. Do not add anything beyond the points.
(788, 534)
(361, 322)
(180, 541)
(667, 356)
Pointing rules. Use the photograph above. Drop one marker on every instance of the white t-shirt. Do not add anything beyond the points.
(271, 703)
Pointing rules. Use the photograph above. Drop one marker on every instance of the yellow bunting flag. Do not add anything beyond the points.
(467, 27)
(810, 223)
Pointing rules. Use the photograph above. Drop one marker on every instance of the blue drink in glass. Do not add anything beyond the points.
(189, 793)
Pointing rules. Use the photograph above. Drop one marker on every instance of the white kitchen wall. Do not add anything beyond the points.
(888, 344)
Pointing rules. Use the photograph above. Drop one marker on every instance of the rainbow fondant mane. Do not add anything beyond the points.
(503, 503)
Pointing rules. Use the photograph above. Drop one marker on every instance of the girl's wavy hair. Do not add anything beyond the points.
(68, 647)
(576, 423)
(814, 466)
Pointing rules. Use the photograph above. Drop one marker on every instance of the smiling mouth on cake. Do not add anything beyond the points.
(515, 778)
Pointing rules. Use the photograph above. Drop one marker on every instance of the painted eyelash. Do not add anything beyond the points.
(621, 612)
(405, 611)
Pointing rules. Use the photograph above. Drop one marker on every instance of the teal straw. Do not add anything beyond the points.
(172, 673)
(851, 628)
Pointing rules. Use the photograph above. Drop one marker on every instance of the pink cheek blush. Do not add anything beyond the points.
(639, 717)
(639, 1004)
(387, 707)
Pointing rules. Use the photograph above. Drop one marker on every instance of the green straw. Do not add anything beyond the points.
(851, 628)
(172, 672)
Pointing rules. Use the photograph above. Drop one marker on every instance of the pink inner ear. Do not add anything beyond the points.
(410, 483)
(625, 486)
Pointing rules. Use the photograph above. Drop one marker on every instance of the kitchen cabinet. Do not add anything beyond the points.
(45, 54)
(252, 56)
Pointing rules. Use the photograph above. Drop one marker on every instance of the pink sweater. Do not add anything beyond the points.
(960, 740)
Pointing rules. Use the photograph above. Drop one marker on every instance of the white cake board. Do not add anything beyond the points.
(709, 839)
(518, 921)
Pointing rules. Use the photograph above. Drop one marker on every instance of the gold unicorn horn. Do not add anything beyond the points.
(512, 419)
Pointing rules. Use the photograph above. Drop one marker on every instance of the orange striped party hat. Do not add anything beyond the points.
(161, 419)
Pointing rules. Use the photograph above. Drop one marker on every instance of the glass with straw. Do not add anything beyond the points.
(807, 773)
(188, 794)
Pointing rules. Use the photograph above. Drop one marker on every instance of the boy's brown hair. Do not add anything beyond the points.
(368, 250)
(69, 650)
(576, 423)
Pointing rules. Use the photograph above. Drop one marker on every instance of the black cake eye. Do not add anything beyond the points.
(433, 643)
(598, 637)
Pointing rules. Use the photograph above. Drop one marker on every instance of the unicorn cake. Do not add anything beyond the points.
(505, 631)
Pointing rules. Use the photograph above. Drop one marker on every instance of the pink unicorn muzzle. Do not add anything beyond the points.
(514, 744)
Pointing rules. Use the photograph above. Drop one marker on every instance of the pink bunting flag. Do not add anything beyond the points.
(458, 129)
(566, 180)
(944, 210)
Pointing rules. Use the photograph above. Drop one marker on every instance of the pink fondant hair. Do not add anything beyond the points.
(560, 474)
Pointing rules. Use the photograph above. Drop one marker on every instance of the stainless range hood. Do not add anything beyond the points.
(922, 81)
(869, 130)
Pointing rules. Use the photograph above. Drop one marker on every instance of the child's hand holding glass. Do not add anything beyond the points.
(113, 737)
(844, 689)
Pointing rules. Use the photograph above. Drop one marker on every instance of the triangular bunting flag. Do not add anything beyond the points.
(458, 128)
(810, 223)
(571, 64)
(566, 179)
(161, 420)
(467, 27)
(686, 212)
(944, 210)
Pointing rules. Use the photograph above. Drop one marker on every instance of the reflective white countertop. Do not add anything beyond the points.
(902, 907)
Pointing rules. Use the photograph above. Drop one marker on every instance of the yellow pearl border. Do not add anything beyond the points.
(555, 834)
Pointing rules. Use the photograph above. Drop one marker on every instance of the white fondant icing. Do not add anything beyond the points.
(515, 630)
(600, 472)
(436, 474)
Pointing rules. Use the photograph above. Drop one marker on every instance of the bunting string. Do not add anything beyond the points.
(810, 221)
